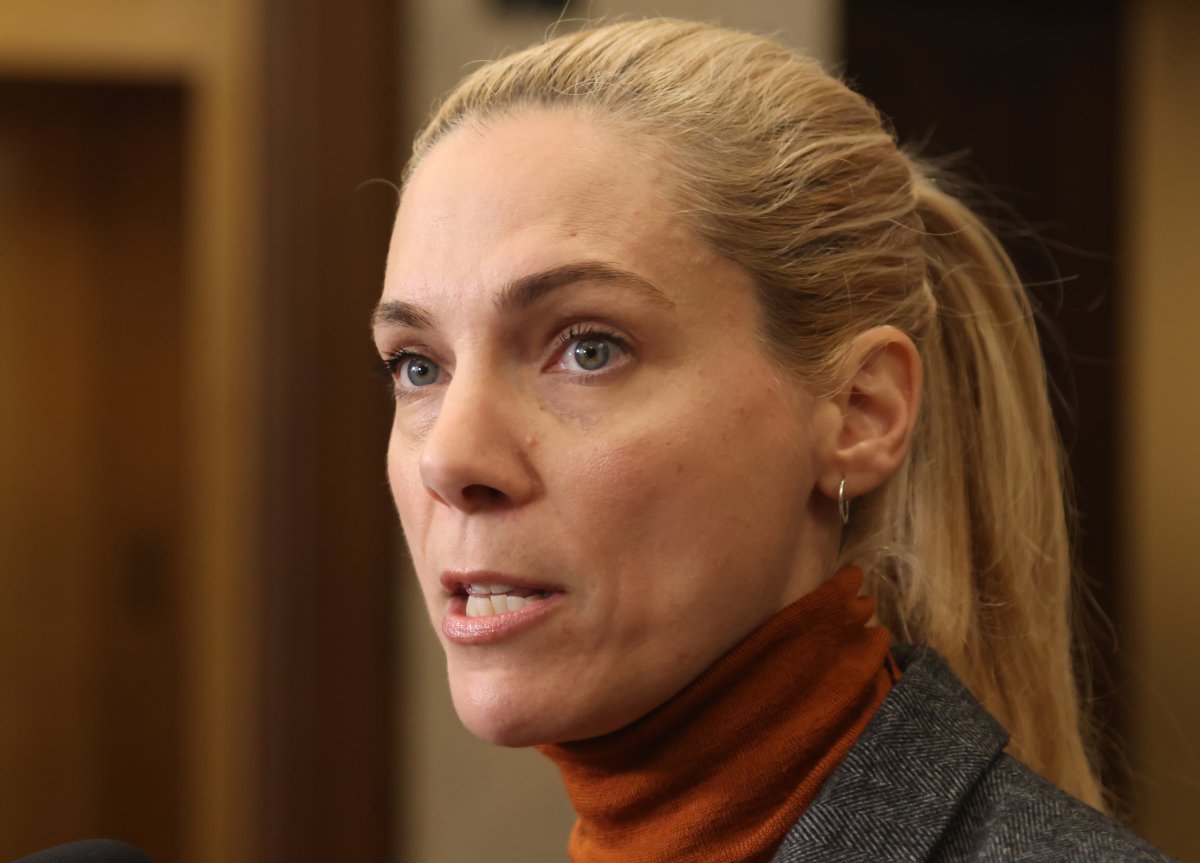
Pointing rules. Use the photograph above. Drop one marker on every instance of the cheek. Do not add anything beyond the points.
(606, 518)
(645, 491)
(408, 493)
(398, 472)
(697, 482)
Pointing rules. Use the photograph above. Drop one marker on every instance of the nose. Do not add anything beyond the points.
(476, 456)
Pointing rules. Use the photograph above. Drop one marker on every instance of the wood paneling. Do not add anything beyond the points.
(226, 431)
(91, 292)
(130, 38)
(329, 541)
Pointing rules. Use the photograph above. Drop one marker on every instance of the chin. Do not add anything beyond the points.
(502, 720)
(503, 734)
(505, 711)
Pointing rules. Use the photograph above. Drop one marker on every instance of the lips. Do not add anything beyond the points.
(487, 606)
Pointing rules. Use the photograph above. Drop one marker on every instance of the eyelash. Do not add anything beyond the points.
(577, 332)
(390, 368)
(394, 360)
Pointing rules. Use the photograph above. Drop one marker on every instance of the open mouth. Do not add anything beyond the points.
(484, 599)
(486, 607)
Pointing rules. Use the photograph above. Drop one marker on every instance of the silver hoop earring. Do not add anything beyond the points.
(843, 504)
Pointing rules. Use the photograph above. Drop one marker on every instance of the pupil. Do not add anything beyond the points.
(421, 372)
(591, 354)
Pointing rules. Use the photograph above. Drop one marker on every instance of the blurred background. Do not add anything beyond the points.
(209, 645)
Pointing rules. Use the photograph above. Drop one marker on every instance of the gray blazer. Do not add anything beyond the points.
(929, 781)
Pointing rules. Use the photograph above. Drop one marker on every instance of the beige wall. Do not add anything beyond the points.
(446, 36)
(1162, 470)
(462, 799)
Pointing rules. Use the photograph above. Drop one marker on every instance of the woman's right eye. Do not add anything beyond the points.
(411, 371)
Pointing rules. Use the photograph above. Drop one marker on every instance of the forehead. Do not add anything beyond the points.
(494, 201)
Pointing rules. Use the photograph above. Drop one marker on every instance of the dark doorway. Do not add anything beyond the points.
(1024, 99)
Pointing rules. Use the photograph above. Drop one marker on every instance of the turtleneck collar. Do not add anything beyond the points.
(722, 770)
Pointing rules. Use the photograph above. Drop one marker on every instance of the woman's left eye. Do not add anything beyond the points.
(590, 352)
(409, 370)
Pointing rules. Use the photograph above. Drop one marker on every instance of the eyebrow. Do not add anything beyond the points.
(522, 293)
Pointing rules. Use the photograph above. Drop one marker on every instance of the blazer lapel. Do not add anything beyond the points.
(902, 782)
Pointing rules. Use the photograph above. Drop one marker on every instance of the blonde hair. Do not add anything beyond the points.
(785, 170)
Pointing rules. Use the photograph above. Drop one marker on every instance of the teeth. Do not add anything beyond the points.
(479, 606)
(484, 589)
(499, 603)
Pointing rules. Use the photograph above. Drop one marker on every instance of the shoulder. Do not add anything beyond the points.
(1014, 814)
(929, 781)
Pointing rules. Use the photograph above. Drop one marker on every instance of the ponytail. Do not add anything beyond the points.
(980, 505)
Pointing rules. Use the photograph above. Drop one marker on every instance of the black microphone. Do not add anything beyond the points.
(89, 851)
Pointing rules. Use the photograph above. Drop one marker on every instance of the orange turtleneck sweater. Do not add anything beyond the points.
(721, 771)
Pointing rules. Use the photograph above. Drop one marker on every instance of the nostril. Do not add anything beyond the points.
(482, 494)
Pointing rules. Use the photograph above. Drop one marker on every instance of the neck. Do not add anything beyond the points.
(722, 770)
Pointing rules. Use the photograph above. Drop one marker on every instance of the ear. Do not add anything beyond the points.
(874, 413)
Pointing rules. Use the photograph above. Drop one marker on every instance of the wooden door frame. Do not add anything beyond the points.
(329, 108)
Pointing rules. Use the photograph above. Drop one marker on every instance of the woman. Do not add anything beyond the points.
(686, 351)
